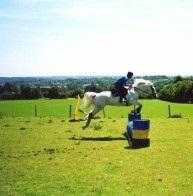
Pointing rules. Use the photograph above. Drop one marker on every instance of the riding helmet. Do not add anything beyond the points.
(130, 74)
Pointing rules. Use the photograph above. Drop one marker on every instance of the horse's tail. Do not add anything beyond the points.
(87, 104)
(86, 100)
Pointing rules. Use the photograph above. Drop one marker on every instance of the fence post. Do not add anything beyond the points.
(70, 111)
(35, 110)
(104, 115)
(169, 111)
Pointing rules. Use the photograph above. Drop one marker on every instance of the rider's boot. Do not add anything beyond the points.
(126, 101)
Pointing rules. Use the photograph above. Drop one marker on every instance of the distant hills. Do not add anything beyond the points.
(176, 89)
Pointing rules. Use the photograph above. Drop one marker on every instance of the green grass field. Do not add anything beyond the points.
(47, 155)
(60, 108)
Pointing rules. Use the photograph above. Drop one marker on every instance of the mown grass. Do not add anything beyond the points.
(61, 107)
(45, 107)
(51, 156)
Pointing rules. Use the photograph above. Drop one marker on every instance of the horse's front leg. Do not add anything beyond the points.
(89, 118)
(86, 117)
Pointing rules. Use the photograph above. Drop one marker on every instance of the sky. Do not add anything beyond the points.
(96, 37)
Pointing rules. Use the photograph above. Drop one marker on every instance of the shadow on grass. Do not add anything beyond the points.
(102, 139)
(98, 139)
(74, 120)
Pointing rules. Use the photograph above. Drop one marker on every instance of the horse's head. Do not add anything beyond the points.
(145, 88)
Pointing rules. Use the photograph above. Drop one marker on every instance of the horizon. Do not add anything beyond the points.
(47, 38)
(76, 76)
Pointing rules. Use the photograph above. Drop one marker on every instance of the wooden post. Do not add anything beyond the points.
(70, 111)
(35, 110)
(104, 115)
(169, 111)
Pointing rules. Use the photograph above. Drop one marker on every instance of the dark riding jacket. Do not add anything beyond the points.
(118, 89)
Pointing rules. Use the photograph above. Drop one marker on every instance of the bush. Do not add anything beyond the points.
(178, 91)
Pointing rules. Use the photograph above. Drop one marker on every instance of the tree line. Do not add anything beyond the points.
(10, 91)
(175, 89)
(178, 90)
(55, 90)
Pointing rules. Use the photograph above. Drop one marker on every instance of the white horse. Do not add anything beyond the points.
(93, 102)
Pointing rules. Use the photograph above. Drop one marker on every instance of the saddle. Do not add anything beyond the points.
(121, 92)
(115, 92)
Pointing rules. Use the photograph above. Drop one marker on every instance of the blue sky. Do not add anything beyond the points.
(102, 37)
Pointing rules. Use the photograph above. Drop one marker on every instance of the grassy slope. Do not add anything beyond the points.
(49, 155)
(45, 107)
(60, 108)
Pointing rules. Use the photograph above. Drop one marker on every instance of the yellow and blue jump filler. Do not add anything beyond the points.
(138, 131)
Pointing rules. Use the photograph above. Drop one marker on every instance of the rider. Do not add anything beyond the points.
(119, 86)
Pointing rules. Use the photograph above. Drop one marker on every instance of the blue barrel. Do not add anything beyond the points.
(134, 116)
(140, 143)
(130, 127)
(141, 129)
(137, 132)
(141, 124)
(129, 131)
